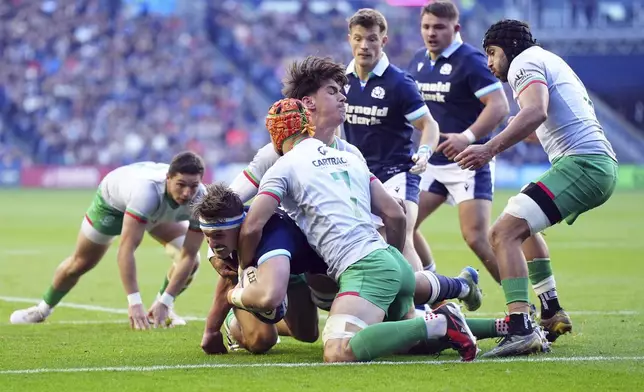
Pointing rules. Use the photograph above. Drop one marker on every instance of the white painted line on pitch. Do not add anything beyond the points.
(78, 322)
(93, 308)
(139, 369)
(21, 252)
(323, 316)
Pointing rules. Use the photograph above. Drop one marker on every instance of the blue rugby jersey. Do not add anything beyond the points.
(282, 237)
(379, 116)
(452, 87)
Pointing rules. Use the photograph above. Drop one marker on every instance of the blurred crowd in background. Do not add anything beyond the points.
(111, 82)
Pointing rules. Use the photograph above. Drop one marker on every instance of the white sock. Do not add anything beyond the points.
(436, 325)
(44, 308)
(430, 268)
(465, 289)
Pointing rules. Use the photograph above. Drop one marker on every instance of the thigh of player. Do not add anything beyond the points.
(101, 224)
(368, 289)
(302, 314)
(565, 191)
(169, 232)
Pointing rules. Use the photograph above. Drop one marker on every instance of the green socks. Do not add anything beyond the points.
(485, 328)
(52, 296)
(539, 270)
(387, 338)
(515, 290)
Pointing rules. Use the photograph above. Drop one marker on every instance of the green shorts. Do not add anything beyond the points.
(383, 278)
(573, 185)
(103, 217)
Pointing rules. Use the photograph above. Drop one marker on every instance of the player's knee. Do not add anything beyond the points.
(79, 265)
(501, 233)
(307, 335)
(338, 350)
(258, 342)
(475, 238)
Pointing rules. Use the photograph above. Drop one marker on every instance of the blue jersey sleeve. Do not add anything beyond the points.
(480, 78)
(413, 106)
(276, 240)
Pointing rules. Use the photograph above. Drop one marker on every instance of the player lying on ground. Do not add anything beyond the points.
(131, 200)
(330, 194)
(469, 107)
(554, 102)
(283, 241)
(317, 83)
(282, 251)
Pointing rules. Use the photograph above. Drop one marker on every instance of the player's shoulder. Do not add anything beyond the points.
(266, 153)
(533, 56)
(419, 55)
(468, 50)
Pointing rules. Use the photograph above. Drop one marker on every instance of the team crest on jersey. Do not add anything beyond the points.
(520, 76)
(108, 220)
(446, 69)
(419, 66)
(378, 92)
(346, 88)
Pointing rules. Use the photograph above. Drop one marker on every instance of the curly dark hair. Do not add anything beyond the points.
(305, 77)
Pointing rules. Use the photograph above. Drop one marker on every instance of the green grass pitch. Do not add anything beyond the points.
(596, 263)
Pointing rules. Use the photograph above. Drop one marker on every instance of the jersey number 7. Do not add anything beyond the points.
(344, 177)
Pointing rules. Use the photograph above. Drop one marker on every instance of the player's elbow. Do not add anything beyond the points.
(395, 217)
(502, 108)
(270, 299)
(538, 114)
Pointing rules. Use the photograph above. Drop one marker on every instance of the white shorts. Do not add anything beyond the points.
(459, 185)
(404, 186)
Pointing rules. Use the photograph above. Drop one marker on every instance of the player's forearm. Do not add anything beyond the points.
(181, 274)
(220, 306)
(430, 134)
(491, 116)
(525, 122)
(249, 238)
(395, 229)
(127, 269)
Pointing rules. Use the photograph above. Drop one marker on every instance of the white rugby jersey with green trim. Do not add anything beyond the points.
(264, 159)
(327, 193)
(571, 127)
(139, 190)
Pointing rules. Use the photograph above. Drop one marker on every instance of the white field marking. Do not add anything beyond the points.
(139, 369)
(79, 322)
(92, 308)
(21, 252)
(323, 316)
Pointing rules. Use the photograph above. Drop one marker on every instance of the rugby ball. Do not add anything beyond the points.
(249, 276)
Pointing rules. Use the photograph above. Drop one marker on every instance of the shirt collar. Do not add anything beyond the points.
(453, 47)
(378, 70)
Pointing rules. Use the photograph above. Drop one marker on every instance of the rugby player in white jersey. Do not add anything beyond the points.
(133, 199)
(554, 103)
(331, 195)
(316, 82)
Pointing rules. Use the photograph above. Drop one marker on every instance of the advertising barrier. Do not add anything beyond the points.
(508, 176)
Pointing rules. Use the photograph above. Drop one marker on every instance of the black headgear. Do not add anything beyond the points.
(513, 36)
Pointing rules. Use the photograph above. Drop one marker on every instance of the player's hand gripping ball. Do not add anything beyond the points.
(249, 276)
